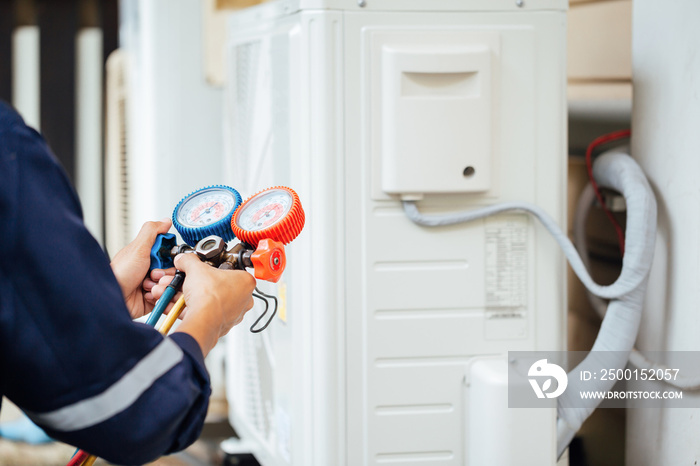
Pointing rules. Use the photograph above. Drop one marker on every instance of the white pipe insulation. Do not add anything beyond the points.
(583, 206)
(637, 358)
(618, 171)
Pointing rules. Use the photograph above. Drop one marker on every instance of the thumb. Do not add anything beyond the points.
(149, 231)
(188, 262)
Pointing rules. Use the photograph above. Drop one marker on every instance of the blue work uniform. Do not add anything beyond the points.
(70, 356)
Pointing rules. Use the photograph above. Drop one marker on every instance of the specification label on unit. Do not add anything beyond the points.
(506, 267)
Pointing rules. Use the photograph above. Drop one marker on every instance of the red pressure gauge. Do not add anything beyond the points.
(274, 213)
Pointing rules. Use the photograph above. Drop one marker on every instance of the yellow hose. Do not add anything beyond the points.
(172, 316)
(90, 460)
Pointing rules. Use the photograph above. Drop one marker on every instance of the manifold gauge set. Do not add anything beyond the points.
(210, 218)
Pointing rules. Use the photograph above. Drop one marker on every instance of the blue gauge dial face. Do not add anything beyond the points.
(206, 207)
(265, 210)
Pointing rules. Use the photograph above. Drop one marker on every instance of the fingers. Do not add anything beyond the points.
(149, 231)
(153, 296)
(148, 284)
(190, 263)
(157, 274)
(246, 281)
(152, 301)
(155, 290)
(247, 307)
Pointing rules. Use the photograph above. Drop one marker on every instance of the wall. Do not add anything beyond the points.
(666, 141)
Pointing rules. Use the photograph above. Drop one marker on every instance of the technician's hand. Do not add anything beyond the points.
(154, 285)
(131, 264)
(216, 299)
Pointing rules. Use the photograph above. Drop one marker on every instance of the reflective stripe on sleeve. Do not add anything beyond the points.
(118, 397)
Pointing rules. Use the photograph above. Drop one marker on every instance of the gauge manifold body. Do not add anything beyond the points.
(205, 212)
(274, 213)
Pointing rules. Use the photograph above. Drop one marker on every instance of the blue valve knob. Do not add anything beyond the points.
(160, 252)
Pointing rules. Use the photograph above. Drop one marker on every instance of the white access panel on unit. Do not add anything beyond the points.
(392, 338)
(436, 83)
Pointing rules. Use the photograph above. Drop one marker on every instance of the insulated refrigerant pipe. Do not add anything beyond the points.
(583, 207)
(618, 331)
(637, 358)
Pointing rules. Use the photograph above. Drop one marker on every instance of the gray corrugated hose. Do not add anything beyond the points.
(637, 358)
(618, 331)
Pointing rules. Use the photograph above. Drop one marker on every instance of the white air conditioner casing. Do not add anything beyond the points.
(170, 140)
(373, 356)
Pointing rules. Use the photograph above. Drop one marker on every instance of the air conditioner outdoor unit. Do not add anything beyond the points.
(391, 341)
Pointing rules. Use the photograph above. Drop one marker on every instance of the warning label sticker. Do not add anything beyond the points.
(506, 266)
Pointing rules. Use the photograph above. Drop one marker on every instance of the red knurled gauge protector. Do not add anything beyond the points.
(283, 231)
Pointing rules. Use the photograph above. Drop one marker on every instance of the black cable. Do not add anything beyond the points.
(260, 295)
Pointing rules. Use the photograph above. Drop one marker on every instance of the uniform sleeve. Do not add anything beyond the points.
(70, 355)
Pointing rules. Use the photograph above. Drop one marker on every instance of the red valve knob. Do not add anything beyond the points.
(269, 260)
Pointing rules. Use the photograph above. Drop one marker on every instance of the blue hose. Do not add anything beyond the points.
(165, 298)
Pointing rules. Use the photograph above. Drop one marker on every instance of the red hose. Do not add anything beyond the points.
(78, 458)
(589, 165)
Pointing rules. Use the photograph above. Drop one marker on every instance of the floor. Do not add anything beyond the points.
(204, 452)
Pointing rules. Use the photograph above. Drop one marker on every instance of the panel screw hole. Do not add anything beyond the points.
(469, 171)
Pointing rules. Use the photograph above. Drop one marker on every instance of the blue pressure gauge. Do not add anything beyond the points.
(206, 212)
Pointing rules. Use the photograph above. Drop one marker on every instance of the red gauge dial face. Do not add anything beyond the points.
(265, 210)
(275, 213)
(269, 216)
